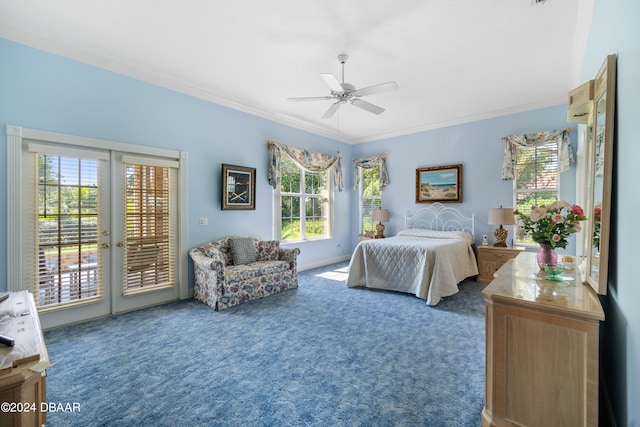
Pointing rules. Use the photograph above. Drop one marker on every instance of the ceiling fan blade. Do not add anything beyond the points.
(383, 87)
(332, 82)
(332, 110)
(367, 106)
(310, 98)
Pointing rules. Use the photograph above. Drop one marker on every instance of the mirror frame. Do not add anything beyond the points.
(604, 85)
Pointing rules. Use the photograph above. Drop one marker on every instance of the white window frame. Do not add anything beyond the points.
(546, 190)
(15, 194)
(277, 207)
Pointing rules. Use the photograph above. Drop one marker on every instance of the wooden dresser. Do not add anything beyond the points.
(22, 367)
(542, 348)
(491, 258)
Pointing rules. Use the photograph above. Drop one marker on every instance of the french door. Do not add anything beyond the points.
(145, 231)
(67, 194)
(100, 231)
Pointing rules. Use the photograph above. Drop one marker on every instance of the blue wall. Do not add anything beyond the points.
(49, 92)
(477, 146)
(614, 29)
(43, 91)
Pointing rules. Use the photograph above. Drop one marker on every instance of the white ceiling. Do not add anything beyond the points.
(455, 61)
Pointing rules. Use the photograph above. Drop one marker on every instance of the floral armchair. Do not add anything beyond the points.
(238, 269)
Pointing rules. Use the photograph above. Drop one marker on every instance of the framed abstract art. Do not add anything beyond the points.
(238, 187)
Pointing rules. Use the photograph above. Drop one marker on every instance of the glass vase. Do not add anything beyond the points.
(546, 255)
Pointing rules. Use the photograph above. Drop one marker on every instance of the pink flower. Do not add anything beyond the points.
(537, 213)
(560, 204)
(564, 204)
(597, 211)
(577, 210)
(551, 224)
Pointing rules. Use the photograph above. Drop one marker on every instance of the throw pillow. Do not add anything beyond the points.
(243, 250)
(268, 250)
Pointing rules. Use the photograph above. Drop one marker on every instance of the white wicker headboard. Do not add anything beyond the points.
(440, 217)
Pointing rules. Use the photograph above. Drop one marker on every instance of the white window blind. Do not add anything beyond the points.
(537, 177)
(67, 198)
(149, 257)
(370, 197)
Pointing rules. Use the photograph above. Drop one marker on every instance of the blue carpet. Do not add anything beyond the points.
(320, 355)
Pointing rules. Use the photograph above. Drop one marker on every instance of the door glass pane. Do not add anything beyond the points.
(149, 223)
(68, 224)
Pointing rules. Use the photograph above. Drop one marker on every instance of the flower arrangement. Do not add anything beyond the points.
(550, 225)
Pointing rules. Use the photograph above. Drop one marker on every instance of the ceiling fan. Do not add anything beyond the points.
(345, 92)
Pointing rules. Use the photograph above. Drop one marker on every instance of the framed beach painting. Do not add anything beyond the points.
(439, 184)
(238, 187)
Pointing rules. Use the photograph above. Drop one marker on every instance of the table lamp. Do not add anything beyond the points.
(380, 215)
(501, 216)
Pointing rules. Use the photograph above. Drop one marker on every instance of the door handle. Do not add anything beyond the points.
(120, 244)
(105, 246)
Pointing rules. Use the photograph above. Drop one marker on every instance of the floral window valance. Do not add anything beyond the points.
(565, 153)
(311, 161)
(368, 163)
(600, 151)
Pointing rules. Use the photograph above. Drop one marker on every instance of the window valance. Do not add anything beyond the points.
(565, 153)
(370, 162)
(599, 163)
(311, 161)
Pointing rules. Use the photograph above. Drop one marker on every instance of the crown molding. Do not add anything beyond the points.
(466, 119)
(157, 79)
(169, 83)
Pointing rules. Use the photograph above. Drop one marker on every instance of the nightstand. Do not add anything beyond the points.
(491, 258)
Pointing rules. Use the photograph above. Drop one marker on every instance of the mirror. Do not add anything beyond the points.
(587, 201)
(599, 174)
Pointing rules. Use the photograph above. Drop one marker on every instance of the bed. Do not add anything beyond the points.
(429, 258)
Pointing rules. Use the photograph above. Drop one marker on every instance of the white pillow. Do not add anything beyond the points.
(437, 234)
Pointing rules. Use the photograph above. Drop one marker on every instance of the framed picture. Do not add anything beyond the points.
(439, 184)
(238, 188)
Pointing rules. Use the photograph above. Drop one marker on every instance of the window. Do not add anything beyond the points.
(537, 178)
(370, 197)
(305, 202)
(68, 224)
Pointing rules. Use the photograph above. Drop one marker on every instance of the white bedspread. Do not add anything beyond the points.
(430, 268)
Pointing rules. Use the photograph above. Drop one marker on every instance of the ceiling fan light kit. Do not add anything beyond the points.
(343, 92)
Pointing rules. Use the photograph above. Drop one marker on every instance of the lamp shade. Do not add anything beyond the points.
(501, 216)
(381, 215)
